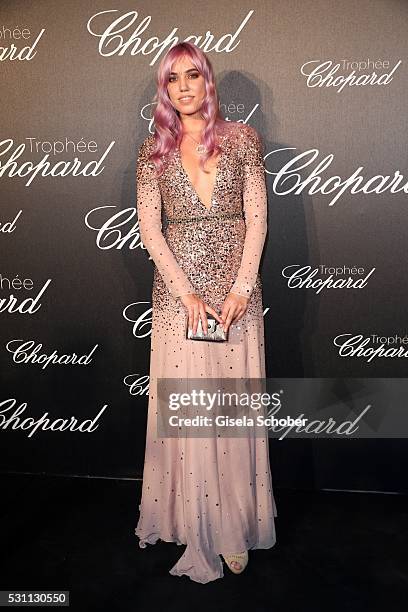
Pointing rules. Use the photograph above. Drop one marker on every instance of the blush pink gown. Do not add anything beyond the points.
(213, 495)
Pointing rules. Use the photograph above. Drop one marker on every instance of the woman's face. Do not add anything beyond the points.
(185, 81)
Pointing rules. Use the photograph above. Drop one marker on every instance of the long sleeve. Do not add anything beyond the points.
(150, 227)
(255, 210)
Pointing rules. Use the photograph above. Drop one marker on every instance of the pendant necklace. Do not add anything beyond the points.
(200, 148)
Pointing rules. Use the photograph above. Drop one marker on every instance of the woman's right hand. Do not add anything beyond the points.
(197, 309)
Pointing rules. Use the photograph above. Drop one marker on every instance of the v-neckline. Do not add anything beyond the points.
(217, 171)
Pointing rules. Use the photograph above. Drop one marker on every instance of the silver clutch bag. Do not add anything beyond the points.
(215, 332)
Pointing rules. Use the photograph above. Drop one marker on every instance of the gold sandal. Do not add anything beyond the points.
(241, 558)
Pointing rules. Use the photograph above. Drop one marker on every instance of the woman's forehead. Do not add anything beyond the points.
(182, 64)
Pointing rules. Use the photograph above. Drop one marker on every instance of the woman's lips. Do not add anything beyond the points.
(186, 100)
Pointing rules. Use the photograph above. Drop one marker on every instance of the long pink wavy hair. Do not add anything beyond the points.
(168, 126)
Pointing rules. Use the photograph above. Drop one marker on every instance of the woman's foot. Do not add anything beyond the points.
(236, 562)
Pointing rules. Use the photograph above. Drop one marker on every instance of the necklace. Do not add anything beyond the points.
(200, 148)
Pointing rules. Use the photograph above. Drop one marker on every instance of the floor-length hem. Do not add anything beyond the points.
(213, 569)
(185, 566)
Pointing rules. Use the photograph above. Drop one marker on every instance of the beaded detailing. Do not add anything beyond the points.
(236, 215)
(227, 505)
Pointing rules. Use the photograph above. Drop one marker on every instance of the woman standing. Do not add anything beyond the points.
(212, 494)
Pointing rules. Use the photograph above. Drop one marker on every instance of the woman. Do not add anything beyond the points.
(214, 495)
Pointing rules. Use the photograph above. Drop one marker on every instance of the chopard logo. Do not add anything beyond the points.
(340, 277)
(70, 164)
(14, 420)
(290, 176)
(127, 34)
(18, 36)
(381, 346)
(324, 74)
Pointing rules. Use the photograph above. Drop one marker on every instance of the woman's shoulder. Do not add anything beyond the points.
(145, 150)
(147, 145)
(249, 134)
(243, 134)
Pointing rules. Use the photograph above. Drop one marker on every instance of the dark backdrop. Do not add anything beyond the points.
(77, 86)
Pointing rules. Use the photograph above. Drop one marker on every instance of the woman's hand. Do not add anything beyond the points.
(233, 309)
(197, 308)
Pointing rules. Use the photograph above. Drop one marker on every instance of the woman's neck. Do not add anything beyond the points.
(192, 126)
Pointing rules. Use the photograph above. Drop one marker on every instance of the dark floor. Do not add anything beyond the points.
(335, 552)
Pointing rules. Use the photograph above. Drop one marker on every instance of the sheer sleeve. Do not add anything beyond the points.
(150, 227)
(255, 210)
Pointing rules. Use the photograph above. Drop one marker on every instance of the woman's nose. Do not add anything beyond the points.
(183, 84)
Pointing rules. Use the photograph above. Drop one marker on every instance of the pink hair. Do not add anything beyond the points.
(168, 127)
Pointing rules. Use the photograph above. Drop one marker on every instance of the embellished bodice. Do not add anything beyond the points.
(180, 199)
(206, 250)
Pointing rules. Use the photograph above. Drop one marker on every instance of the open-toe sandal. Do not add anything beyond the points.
(241, 558)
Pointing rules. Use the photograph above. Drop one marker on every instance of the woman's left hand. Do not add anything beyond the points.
(233, 309)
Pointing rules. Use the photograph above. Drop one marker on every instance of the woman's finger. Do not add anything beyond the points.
(214, 313)
(240, 315)
(195, 318)
(227, 305)
(203, 315)
(230, 316)
(190, 317)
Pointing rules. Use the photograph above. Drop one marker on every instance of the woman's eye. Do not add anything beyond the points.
(193, 75)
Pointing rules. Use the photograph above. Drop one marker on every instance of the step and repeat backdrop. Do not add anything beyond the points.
(325, 84)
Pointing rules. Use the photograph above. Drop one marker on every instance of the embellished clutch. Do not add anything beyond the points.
(215, 332)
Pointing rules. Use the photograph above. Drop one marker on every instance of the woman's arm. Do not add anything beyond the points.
(149, 216)
(255, 209)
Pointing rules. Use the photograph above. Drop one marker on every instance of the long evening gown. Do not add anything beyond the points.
(213, 495)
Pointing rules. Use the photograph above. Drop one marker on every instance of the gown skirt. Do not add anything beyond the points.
(212, 494)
